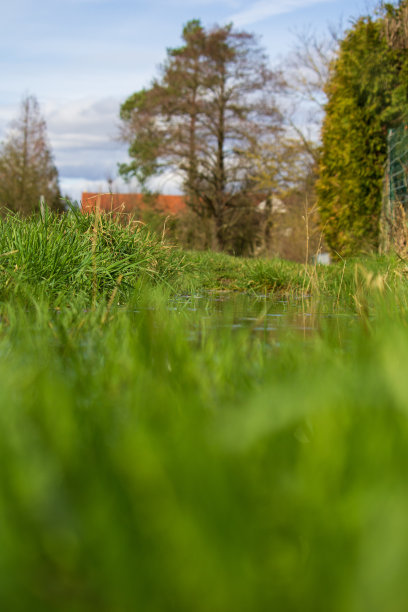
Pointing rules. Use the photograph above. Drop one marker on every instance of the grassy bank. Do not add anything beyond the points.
(156, 456)
(55, 257)
(217, 271)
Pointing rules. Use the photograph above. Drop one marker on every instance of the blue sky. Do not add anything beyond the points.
(82, 58)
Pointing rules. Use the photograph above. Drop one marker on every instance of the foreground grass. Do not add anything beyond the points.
(163, 460)
(143, 467)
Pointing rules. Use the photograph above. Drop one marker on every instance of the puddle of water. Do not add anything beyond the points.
(263, 315)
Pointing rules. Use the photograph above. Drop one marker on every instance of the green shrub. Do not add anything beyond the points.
(367, 93)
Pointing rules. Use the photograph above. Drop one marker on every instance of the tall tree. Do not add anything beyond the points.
(307, 70)
(367, 94)
(213, 103)
(27, 170)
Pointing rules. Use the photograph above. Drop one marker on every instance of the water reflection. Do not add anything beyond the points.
(264, 315)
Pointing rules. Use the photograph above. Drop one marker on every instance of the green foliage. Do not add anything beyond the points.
(144, 149)
(367, 93)
(213, 104)
(163, 459)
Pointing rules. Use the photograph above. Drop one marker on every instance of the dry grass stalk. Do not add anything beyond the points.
(397, 231)
(94, 244)
(111, 300)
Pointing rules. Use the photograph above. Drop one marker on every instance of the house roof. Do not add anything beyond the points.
(162, 204)
(132, 202)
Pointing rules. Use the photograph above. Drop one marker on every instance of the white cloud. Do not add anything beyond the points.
(83, 136)
(8, 112)
(86, 117)
(268, 8)
(73, 188)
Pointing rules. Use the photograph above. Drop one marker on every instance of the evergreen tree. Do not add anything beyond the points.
(367, 93)
(27, 170)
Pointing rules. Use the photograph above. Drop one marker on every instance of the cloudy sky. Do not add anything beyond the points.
(82, 58)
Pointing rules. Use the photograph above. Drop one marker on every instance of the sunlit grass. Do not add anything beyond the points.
(156, 457)
(60, 256)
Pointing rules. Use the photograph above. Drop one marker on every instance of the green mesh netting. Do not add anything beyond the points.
(398, 166)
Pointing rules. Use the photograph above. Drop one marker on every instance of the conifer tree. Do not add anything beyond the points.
(214, 102)
(27, 170)
(367, 94)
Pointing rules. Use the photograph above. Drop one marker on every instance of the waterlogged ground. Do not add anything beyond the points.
(268, 317)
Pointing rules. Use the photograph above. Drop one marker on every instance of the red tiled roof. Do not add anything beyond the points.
(131, 202)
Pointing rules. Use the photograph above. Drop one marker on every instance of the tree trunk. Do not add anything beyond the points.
(220, 182)
(219, 233)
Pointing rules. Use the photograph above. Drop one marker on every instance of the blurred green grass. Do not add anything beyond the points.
(161, 458)
(145, 468)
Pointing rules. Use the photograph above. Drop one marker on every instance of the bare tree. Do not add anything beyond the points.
(288, 166)
(307, 70)
(289, 163)
(396, 24)
(27, 170)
